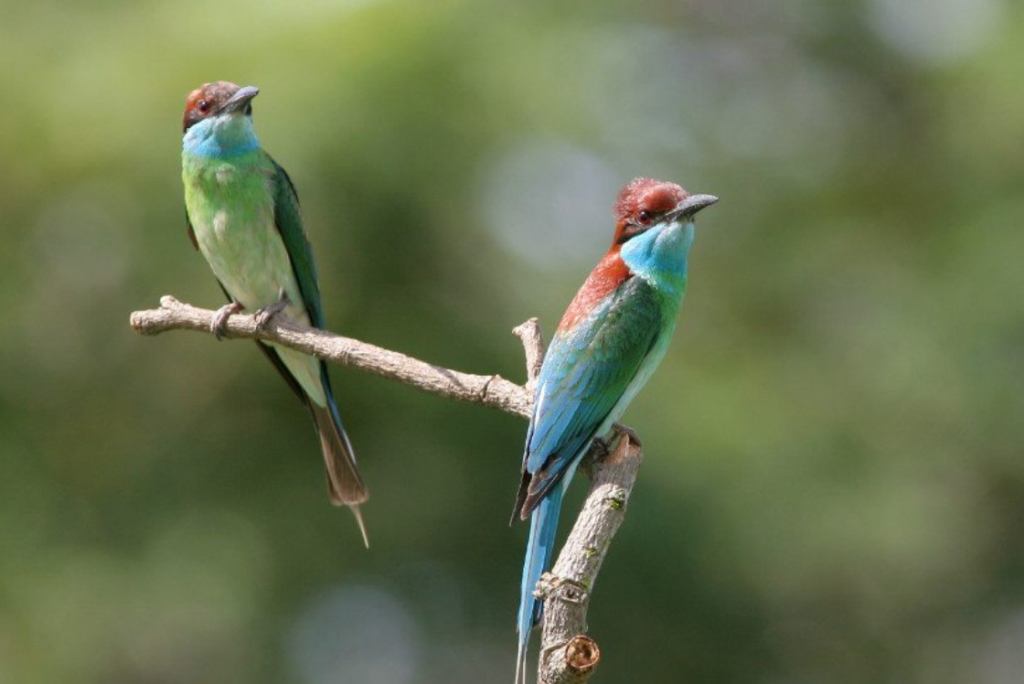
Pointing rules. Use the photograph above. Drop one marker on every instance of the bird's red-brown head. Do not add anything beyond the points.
(211, 99)
(645, 202)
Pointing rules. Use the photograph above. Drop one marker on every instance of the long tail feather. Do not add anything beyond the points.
(359, 521)
(543, 525)
(344, 483)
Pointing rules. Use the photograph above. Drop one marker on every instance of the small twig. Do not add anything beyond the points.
(568, 656)
(533, 346)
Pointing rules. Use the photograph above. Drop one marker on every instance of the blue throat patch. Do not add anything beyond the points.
(221, 137)
(660, 254)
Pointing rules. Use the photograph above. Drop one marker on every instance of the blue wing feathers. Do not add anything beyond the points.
(585, 373)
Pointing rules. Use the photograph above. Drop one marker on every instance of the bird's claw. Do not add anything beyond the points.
(601, 447)
(623, 431)
(219, 326)
(599, 450)
(264, 314)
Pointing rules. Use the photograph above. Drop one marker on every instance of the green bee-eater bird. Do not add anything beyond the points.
(244, 217)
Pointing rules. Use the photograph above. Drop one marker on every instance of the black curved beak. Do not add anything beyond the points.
(240, 100)
(691, 205)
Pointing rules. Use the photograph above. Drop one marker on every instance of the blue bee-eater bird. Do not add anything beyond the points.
(608, 343)
(243, 215)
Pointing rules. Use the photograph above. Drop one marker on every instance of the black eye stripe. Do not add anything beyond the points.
(630, 233)
(641, 224)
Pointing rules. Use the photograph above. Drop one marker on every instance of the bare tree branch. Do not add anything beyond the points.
(488, 390)
(568, 655)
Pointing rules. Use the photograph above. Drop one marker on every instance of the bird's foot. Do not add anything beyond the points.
(219, 326)
(623, 431)
(599, 448)
(264, 314)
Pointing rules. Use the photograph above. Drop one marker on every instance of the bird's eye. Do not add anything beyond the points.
(644, 218)
(203, 106)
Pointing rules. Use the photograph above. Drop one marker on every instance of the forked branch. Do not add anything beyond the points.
(568, 655)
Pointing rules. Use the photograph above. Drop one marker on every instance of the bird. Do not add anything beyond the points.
(610, 340)
(243, 215)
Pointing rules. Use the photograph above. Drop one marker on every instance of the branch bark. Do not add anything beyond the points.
(488, 390)
(568, 655)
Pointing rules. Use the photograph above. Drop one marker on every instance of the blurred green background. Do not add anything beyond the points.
(834, 480)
